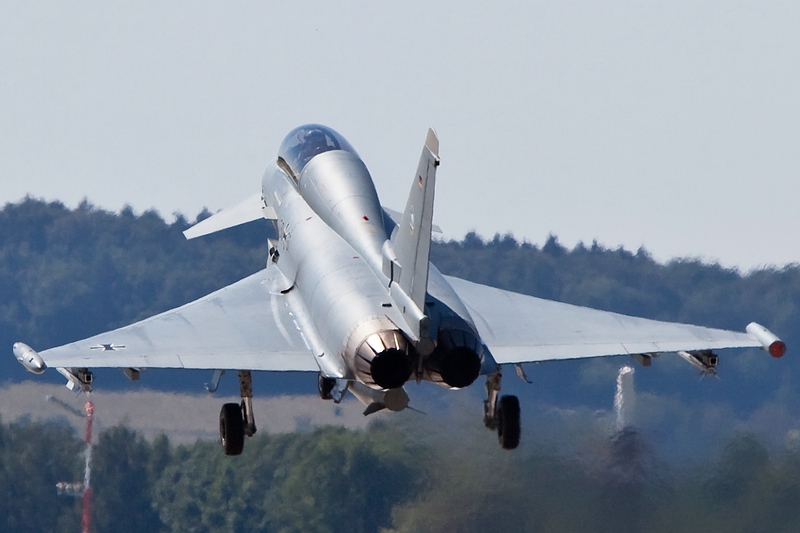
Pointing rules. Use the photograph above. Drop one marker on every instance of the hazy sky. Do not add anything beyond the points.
(674, 125)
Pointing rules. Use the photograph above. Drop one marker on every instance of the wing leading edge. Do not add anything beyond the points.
(519, 329)
(242, 325)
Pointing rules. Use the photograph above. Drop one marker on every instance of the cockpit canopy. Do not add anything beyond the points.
(303, 143)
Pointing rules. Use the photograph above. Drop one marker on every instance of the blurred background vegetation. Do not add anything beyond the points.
(393, 479)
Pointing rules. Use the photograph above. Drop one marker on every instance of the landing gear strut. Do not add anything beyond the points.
(332, 388)
(237, 420)
(325, 386)
(503, 415)
(246, 392)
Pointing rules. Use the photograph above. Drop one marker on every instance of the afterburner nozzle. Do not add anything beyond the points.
(456, 362)
(384, 360)
(28, 357)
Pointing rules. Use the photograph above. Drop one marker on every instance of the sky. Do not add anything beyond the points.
(673, 125)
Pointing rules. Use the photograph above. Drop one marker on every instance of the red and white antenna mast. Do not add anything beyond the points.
(86, 519)
(81, 490)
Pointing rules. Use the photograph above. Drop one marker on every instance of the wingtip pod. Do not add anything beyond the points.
(29, 358)
(769, 341)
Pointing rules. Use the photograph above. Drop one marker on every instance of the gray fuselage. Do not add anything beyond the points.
(331, 233)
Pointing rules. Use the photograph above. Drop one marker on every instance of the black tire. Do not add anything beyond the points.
(508, 429)
(231, 428)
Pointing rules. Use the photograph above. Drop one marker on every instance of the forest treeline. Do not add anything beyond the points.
(390, 479)
(66, 274)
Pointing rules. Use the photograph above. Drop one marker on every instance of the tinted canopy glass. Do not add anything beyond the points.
(303, 143)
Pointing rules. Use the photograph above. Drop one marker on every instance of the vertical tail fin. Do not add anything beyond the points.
(411, 243)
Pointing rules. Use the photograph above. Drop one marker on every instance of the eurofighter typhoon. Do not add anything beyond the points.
(348, 292)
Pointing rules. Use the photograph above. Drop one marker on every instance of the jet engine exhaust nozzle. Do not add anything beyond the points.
(384, 360)
(455, 363)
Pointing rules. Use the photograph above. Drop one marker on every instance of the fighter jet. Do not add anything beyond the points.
(348, 292)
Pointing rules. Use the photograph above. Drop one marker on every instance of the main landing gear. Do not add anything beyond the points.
(237, 420)
(501, 413)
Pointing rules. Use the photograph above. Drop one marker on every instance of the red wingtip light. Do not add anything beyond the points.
(777, 349)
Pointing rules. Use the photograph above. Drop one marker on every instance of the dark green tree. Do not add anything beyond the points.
(33, 458)
(122, 482)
